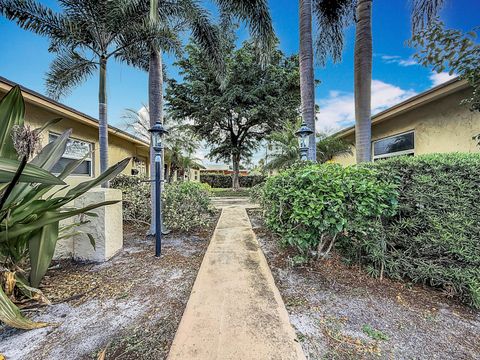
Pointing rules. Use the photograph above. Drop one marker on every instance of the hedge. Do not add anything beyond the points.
(186, 205)
(432, 236)
(225, 181)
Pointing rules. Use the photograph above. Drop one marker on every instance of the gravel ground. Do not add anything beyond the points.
(341, 313)
(131, 305)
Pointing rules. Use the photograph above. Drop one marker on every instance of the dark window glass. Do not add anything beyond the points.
(394, 144)
(85, 168)
(75, 150)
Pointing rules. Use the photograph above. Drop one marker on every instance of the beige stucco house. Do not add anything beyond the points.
(434, 121)
(84, 139)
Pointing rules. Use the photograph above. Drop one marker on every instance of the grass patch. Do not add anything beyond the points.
(244, 192)
(374, 334)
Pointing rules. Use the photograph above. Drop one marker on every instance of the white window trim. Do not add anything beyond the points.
(90, 158)
(397, 153)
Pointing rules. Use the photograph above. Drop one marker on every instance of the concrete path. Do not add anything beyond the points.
(235, 310)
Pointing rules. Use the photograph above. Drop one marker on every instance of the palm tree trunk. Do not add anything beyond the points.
(102, 117)
(307, 82)
(155, 105)
(363, 81)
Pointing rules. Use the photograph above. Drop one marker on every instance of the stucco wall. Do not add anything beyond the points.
(440, 126)
(118, 148)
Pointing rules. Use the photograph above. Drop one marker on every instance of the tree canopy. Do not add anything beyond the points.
(232, 115)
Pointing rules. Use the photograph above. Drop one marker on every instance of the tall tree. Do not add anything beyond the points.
(333, 16)
(85, 36)
(189, 15)
(307, 80)
(363, 80)
(233, 115)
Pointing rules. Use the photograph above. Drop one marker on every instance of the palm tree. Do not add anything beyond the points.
(307, 81)
(333, 17)
(285, 152)
(85, 35)
(283, 147)
(363, 80)
(329, 146)
(189, 15)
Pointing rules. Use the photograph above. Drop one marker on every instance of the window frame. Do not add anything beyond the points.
(90, 158)
(396, 153)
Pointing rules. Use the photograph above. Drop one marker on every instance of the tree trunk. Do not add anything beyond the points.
(307, 82)
(155, 106)
(236, 171)
(102, 118)
(363, 81)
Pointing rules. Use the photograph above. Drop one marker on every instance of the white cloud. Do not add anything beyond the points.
(395, 59)
(440, 78)
(338, 109)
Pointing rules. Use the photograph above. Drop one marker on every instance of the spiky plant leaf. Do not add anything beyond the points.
(31, 173)
(12, 112)
(11, 315)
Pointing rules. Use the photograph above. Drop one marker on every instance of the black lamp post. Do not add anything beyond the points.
(157, 132)
(303, 140)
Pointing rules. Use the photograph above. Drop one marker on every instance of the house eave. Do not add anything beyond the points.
(412, 103)
(63, 110)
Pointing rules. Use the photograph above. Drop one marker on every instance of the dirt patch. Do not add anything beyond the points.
(339, 312)
(131, 305)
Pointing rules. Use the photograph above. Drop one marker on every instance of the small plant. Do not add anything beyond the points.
(187, 206)
(225, 181)
(374, 334)
(256, 194)
(136, 197)
(29, 217)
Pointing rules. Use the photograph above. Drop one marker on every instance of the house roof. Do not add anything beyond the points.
(62, 109)
(414, 102)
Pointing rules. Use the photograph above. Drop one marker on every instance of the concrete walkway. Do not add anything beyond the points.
(235, 310)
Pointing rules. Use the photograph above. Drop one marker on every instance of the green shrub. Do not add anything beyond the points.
(432, 236)
(256, 194)
(310, 206)
(187, 206)
(136, 198)
(435, 237)
(225, 181)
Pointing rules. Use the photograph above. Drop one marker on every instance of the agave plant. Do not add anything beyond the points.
(31, 211)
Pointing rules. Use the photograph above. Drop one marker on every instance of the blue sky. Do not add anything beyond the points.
(24, 59)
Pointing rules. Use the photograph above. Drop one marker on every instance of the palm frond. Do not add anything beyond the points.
(332, 17)
(134, 46)
(204, 32)
(33, 16)
(424, 12)
(257, 16)
(68, 70)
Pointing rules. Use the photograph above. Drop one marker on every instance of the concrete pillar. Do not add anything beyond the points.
(106, 229)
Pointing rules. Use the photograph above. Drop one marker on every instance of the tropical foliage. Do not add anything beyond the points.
(412, 218)
(135, 197)
(31, 210)
(284, 150)
(84, 37)
(187, 206)
(333, 17)
(219, 181)
(310, 206)
(234, 114)
(452, 50)
(329, 146)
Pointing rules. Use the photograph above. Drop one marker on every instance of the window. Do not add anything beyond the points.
(401, 144)
(76, 149)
